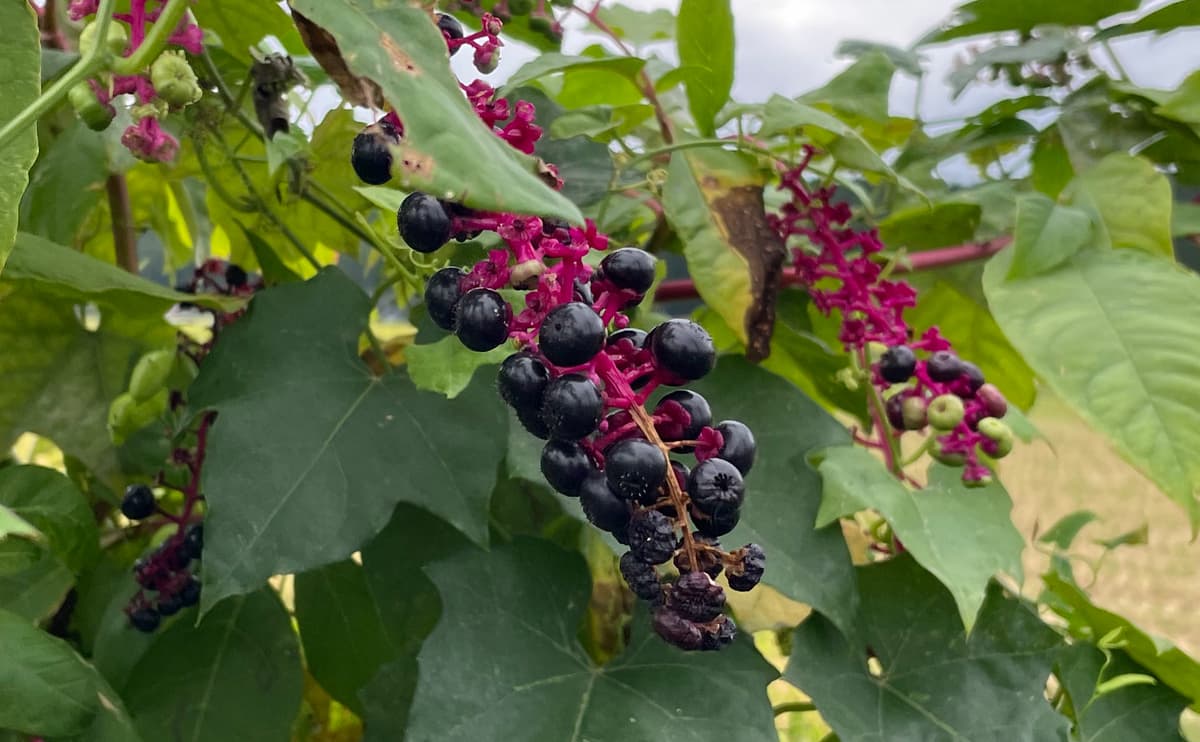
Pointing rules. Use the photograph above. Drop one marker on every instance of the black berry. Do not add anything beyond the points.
(571, 334)
(897, 364)
(522, 381)
(629, 268)
(652, 536)
(145, 619)
(370, 156)
(235, 276)
(716, 487)
(720, 637)
(974, 376)
(531, 420)
(602, 507)
(193, 542)
(169, 605)
(635, 468)
(682, 348)
(138, 502)
(482, 319)
(641, 577)
(699, 417)
(583, 292)
(748, 570)
(442, 293)
(944, 366)
(696, 597)
(572, 407)
(739, 447)
(423, 222)
(677, 630)
(714, 526)
(449, 26)
(189, 594)
(634, 338)
(565, 465)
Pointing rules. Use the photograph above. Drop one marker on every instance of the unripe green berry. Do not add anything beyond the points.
(150, 374)
(946, 457)
(945, 412)
(116, 38)
(126, 416)
(915, 412)
(487, 63)
(999, 434)
(94, 114)
(174, 80)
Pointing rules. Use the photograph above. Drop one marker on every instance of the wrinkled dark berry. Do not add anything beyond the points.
(145, 619)
(423, 222)
(974, 376)
(993, 400)
(189, 594)
(677, 630)
(449, 26)
(169, 605)
(138, 502)
(442, 294)
(193, 541)
(482, 320)
(635, 468)
(565, 465)
(641, 577)
(717, 525)
(522, 381)
(716, 487)
(601, 505)
(699, 417)
(235, 276)
(739, 447)
(629, 268)
(572, 407)
(722, 636)
(696, 597)
(531, 420)
(944, 366)
(652, 536)
(571, 334)
(897, 364)
(370, 156)
(682, 348)
(708, 560)
(747, 572)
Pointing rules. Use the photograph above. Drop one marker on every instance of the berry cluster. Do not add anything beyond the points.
(539, 16)
(580, 378)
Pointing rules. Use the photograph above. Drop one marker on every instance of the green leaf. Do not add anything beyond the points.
(552, 62)
(446, 148)
(860, 90)
(236, 675)
(1108, 713)
(76, 163)
(585, 166)
(808, 564)
(1047, 234)
(923, 228)
(12, 524)
(638, 26)
(285, 146)
(515, 611)
(962, 536)
(1139, 536)
(33, 581)
(1115, 354)
(1090, 622)
(273, 269)
(1062, 534)
(1050, 45)
(446, 366)
(1051, 165)
(932, 681)
(305, 426)
(988, 16)
(51, 503)
(341, 629)
(20, 57)
(904, 59)
(1185, 219)
(242, 24)
(1132, 200)
(705, 40)
(1162, 20)
(1184, 103)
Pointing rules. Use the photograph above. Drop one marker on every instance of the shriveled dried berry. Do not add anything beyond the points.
(696, 597)
(641, 577)
(708, 560)
(721, 636)
(652, 536)
(677, 630)
(744, 574)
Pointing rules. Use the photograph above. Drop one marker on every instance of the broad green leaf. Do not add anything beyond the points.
(1047, 234)
(861, 90)
(75, 163)
(1172, 17)
(20, 58)
(33, 581)
(383, 198)
(638, 26)
(922, 228)
(1132, 200)
(446, 149)
(514, 613)
(585, 86)
(988, 16)
(326, 448)
(585, 166)
(1090, 622)
(236, 675)
(1132, 711)
(704, 36)
(1062, 534)
(242, 24)
(808, 564)
(52, 504)
(341, 629)
(963, 536)
(446, 366)
(273, 269)
(1115, 355)
(932, 682)
(1139, 536)
(1051, 165)
(552, 62)
(1047, 47)
(1184, 103)
(906, 60)
(1185, 219)
(12, 524)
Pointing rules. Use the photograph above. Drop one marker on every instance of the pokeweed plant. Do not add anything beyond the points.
(451, 374)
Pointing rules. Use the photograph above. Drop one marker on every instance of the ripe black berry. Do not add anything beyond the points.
(641, 577)
(714, 526)
(897, 364)
(482, 319)
(602, 507)
(193, 542)
(531, 420)
(450, 26)
(442, 293)
(747, 572)
(189, 594)
(572, 407)
(696, 597)
(145, 619)
(522, 381)
(370, 156)
(583, 292)
(138, 502)
(571, 334)
(944, 366)
(677, 630)
(722, 637)
(716, 487)
(699, 417)
(169, 605)
(629, 268)
(652, 536)
(682, 348)
(739, 448)
(423, 222)
(634, 338)
(974, 376)
(565, 465)
(235, 276)
(635, 468)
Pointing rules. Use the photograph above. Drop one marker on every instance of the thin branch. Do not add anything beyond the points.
(123, 232)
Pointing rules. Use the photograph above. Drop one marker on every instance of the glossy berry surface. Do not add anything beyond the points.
(572, 406)
(641, 577)
(974, 376)
(739, 447)
(531, 420)
(635, 468)
(145, 620)
(138, 502)
(449, 25)
(423, 222)
(601, 505)
(522, 381)
(652, 536)
(442, 293)
(716, 487)
(629, 268)
(571, 334)
(897, 364)
(565, 465)
(715, 526)
(193, 542)
(370, 156)
(235, 276)
(696, 597)
(628, 338)
(482, 319)
(683, 348)
(944, 366)
(699, 417)
(748, 571)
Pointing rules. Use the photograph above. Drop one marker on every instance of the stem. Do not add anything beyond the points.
(231, 104)
(155, 41)
(124, 236)
(89, 63)
(646, 424)
(891, 456)
(797, 707)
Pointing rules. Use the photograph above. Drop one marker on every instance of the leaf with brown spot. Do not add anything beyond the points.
(325, 50)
